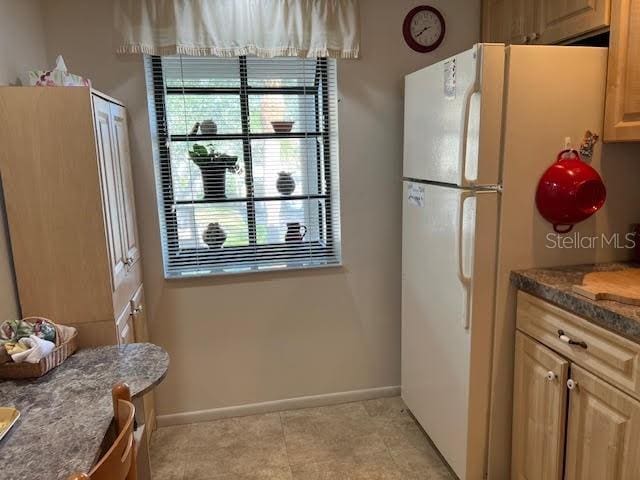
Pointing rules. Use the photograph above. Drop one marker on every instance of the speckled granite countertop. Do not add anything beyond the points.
(554, 285)
(66, 413)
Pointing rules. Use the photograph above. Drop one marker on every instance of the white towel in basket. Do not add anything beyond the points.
(36, 349)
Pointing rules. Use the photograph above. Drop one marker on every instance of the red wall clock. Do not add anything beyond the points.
(424, 29)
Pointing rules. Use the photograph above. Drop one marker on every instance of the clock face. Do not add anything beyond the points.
(424, 29)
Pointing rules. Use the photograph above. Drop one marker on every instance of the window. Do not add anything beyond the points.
(246, 163)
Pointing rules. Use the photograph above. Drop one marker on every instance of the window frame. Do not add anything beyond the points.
(294, 256)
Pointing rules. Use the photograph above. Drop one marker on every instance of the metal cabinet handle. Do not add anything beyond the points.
(568, 340)
(551, 376)
(572, 384)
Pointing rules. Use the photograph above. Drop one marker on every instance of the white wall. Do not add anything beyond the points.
(261, 337)
(22, 47)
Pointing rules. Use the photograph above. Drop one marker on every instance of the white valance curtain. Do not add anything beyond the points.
(230, 28)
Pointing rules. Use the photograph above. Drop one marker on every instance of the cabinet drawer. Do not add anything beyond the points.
(613, 358)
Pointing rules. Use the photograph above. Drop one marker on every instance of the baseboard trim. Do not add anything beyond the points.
(276, 406)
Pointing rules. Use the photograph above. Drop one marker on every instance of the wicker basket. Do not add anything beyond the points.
(9, 369)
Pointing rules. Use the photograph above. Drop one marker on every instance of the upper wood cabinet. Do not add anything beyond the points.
(556, 21)
(496, 26)
(66, 172)
(603, 440)
(622, 114)
(542, 21)
(515, 22)
(523, 18)
(559, 20)
(539, 404)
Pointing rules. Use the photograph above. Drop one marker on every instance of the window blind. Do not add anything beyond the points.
(246, 158)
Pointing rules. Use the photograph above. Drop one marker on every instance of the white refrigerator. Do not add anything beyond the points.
(480, 129)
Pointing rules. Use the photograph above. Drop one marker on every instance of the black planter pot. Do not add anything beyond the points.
(214, 173)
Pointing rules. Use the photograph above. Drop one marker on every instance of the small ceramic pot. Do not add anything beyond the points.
(285, 184)
(214, 236)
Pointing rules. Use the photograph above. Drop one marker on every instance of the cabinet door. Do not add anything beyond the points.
(524, 21)
(111, 190)
(622, 115)
(139, 312)
(495, 21)
(128, 211)
(604, 431)
(564, 19)
(124, 327)
(540, 394)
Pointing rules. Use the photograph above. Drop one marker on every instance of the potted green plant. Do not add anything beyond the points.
(213, 168)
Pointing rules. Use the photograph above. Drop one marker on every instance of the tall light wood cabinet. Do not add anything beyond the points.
(622, 115)
(576, 398)
(66, 174)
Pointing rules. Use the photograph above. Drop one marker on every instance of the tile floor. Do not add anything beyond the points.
(370, 440)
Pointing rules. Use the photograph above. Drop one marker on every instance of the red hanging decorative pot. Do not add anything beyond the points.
(569, 192)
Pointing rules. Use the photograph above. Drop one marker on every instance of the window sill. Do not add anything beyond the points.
(250, 270)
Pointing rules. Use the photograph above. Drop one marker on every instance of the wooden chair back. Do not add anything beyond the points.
(119, 463)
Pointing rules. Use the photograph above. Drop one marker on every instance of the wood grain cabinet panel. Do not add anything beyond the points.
(540, 396)
(564, 19)
(603, 440)
(52, 194)
(495, 21)
(622, 114)
(523, 17)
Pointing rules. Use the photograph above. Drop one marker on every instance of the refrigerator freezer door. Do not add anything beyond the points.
(448, 273)
(453, 118)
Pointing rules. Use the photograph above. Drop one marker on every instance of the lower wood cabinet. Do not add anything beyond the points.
(569, 423)
(540, 404)
(603, 436)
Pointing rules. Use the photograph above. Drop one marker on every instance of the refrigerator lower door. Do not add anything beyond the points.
(453, 119)
(448, 285)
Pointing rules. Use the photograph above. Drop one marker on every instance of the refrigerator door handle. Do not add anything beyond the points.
(464, 131)
(464, 278)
